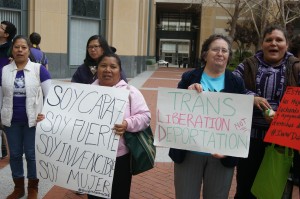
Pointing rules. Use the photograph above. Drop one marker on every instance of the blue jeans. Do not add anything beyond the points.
(21, 139)
(1, 142)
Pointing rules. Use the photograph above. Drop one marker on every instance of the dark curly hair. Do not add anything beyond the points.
(269, 29)
(10, 29)
(35, 38)
(294, 46)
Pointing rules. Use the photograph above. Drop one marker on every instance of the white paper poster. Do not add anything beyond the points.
(75, 146)
(211, 122)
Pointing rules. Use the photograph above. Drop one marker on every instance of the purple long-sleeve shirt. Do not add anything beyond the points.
(269, 80)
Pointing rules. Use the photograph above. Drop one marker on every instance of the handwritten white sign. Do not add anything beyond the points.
(211, 122)
(75, 146)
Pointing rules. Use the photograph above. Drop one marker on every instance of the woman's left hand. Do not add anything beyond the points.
(219, 156)
(196, 86)
(262, 103)
(40, 117)
(120, 129)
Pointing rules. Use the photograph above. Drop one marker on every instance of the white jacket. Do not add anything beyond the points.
(32, 87)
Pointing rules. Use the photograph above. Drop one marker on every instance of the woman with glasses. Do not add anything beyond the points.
(87, 72)
(195, 169)
(7, 33)
(96, 46)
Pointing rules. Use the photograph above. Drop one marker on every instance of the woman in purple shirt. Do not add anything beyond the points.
(20, 83)
(36, 54)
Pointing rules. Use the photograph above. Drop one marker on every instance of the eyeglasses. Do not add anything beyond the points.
(94, 47)
(223, 50)
(2, 28)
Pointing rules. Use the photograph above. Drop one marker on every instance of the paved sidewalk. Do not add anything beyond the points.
(154, 184)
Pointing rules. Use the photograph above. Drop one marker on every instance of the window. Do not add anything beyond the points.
(15, 4)
(85, 21)
(13, 17)
(79, 37)
(176, 22)
(86, 8)
(183, 48)
(11, 10)
(168, 48)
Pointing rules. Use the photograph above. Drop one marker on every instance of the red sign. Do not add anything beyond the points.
(285, 127)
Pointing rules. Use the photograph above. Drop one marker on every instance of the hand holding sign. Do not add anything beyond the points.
(207, 121)
(75, 144)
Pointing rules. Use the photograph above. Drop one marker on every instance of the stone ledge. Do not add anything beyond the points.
(152, 67)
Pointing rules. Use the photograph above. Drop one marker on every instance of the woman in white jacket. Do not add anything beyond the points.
(23, 85)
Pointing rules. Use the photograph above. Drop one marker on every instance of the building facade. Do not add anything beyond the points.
(170, 30)
(66, 25)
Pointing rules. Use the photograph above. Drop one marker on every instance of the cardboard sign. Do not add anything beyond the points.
(210, 122)
(75, 146)
(285, 127)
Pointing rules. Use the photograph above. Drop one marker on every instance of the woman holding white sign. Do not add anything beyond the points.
(86, 73)
(23, 86)
(192, 169)
(137, 117)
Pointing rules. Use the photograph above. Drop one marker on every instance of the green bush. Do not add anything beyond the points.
(150, 61)
(237, 59)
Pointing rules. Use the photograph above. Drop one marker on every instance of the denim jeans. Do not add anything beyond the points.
(21, 139)
(1, 142)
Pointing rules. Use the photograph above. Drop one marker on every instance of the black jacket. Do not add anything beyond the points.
(233, 84)
(84, 75)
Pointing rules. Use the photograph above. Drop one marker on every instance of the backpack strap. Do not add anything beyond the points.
(43, 59)
(31, 57)
(250, 71)
(293, 71)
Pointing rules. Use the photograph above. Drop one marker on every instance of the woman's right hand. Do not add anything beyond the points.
(262, 103)
(40, 117)
(196, 86)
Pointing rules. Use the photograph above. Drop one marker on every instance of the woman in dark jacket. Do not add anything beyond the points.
(96, 46)
(193, 168)
(87, 72)
(294, 48)
(266, 76)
